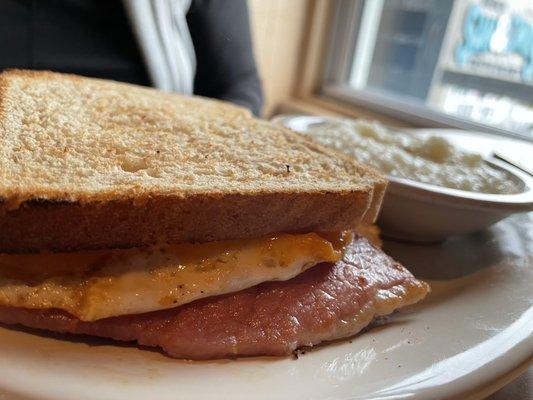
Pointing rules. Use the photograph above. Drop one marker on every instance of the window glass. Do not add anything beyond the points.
(472, 59)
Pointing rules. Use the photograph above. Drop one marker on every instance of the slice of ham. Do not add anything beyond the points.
(326, 302)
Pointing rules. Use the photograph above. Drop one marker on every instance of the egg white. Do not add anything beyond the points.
(97, 284)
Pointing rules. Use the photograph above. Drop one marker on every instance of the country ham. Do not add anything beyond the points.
(327, 302)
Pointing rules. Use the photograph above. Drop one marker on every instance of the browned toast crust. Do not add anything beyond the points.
(45, 225)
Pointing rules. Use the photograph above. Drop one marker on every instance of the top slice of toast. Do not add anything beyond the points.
(88, 163)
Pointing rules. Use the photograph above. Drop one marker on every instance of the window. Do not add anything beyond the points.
(462, 63)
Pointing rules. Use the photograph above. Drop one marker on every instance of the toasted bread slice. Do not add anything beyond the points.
(88, 163)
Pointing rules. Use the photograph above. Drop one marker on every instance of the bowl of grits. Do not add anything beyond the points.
(441, 182)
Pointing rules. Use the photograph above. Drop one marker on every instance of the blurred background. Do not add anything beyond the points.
(438, 63)
(420, 63)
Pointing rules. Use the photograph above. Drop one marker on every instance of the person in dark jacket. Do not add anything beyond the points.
(123, 41)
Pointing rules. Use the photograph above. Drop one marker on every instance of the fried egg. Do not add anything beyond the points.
(97, 284)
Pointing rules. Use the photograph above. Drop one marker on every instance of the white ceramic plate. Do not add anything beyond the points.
(470, 337)
(422, 212)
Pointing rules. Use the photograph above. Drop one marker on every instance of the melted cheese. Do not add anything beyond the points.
(97, 284)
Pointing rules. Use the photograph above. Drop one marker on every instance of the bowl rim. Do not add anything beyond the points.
(516, 202)
(522, 201)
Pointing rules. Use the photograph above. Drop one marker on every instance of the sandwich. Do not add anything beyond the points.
(182, 223)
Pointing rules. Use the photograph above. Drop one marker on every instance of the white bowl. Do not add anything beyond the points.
(422, 212)
(427, 213)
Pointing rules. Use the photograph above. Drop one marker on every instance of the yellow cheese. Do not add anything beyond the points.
(98, 284)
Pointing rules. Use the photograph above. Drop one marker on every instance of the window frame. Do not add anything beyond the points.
(345, 23)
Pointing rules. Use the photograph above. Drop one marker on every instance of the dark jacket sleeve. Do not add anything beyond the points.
(220, 31)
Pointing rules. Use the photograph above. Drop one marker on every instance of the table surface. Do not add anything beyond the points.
(520, 389)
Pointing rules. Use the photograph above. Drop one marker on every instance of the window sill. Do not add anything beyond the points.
(323, 105)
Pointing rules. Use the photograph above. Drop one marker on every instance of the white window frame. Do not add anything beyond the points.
(335, 84)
